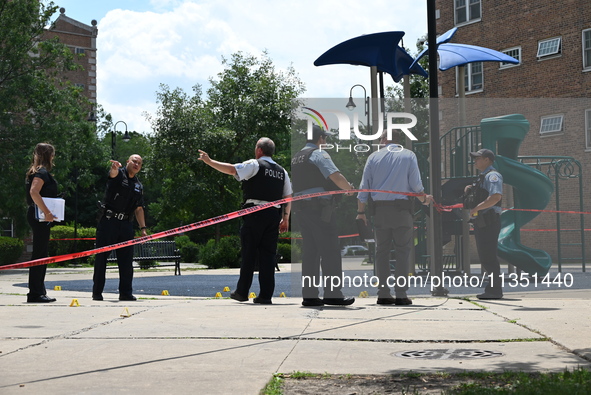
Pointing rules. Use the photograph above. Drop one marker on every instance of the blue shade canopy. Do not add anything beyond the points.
(446, 37)
(405, 64)
(377, 49)
(452, 55)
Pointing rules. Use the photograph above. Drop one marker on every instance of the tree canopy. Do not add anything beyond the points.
(38, 105)
(249, 99)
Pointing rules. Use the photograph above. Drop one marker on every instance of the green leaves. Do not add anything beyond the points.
(38, 105)
(247, 101)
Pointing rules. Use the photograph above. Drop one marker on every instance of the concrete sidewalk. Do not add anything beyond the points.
(167, 344)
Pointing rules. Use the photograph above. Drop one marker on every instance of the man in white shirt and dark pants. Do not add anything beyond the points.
(263, 181)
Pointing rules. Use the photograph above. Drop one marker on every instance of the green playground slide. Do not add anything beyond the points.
(532, 190)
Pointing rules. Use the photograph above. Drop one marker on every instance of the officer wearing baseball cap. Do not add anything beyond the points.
(486, 153)
(314, 171)
(486, 217)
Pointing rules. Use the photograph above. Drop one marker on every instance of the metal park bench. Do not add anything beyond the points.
(155, 250)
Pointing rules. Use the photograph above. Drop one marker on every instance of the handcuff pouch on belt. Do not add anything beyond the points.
(108, 214)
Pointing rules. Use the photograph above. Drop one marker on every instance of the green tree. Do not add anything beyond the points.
(37, 104)
(253, 100)
(248, 100)
(181, 126)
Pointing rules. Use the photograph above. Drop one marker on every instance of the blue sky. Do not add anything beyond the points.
(143, 43)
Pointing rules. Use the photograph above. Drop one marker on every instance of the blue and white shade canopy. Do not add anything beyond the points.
(452, 55)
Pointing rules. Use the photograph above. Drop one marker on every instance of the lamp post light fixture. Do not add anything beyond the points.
(126, 137)
(351, 104)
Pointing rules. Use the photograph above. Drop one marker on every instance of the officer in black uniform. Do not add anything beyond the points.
(263, 181)
(314, 171)
(123, 202)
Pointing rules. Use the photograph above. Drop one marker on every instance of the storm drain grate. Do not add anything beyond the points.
(449, 354)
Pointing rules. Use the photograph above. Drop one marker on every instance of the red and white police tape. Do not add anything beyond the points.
(185, 228)
(220, 219)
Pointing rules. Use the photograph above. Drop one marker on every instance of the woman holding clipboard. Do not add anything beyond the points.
(40, 183)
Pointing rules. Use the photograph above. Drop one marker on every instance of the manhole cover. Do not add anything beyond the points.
(449, 354)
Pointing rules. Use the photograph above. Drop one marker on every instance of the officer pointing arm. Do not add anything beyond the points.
(139, 211)
(263, 181)
(122, 203)
(223, 167)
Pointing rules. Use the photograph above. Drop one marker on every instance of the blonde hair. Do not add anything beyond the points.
(42, 157)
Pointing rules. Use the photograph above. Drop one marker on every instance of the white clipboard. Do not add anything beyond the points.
(57, 206)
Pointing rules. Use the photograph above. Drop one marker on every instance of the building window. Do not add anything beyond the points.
(79, 51)
(473, 77)
(587, 49)
(514, 53)
(467, 10)
(549, 47)
(551, 124)
(81, 86)
(588, 129)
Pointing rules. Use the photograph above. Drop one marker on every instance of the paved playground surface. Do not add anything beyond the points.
(194, 344)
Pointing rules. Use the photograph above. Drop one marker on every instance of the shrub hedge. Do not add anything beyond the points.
(10, 250)
(289, 247)
(189, 250)
(226, 253)
(59, 246)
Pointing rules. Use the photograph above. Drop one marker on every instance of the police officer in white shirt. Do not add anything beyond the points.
(263, 181)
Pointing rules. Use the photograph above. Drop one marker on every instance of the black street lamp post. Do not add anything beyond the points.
(351, 104)
(126, 137)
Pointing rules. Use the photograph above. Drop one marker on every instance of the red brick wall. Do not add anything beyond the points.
(77, 37)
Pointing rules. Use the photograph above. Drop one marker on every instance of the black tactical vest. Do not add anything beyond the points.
(267, 184)
(306, 175)
(477, 194)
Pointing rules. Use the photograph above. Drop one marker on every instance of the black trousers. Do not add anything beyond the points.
(487, 240)
(393, 225)
(258, 239)
(320, 249)
(111, 231)
(40, 250)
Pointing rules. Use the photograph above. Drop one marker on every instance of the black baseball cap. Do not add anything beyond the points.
(486, 153)
(317, 131)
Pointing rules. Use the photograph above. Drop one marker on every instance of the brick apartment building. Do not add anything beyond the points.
(81, 39)
(551, 87)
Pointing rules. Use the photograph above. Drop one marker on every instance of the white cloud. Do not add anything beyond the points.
(183, 42)
(146, 45)
(132, 115)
